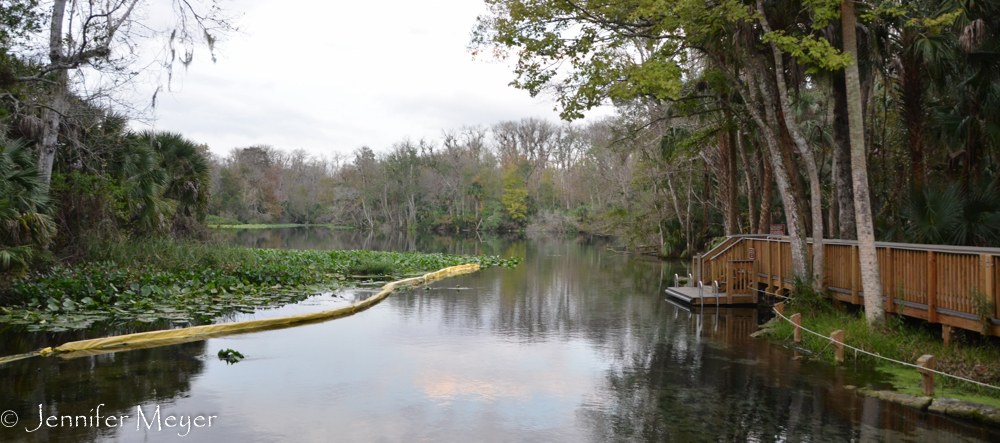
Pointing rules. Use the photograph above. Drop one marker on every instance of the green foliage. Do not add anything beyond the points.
(951, 215)
(25, 226)
(810, 49)
(186, 167)
(371, 266)
(230, 356)
(970, 356)
(18, 19)
(515, 197)
(156, 282)
(805, 297)
(983, 307)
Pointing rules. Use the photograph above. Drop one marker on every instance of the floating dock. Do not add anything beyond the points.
(706, 296)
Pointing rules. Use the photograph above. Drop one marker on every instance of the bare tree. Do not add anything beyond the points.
(105, 36)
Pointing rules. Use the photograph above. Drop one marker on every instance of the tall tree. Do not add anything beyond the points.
(871, 281)
(805, 151)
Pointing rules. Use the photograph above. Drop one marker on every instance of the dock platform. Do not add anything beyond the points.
(691, 296)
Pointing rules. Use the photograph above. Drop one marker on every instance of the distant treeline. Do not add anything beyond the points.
(517, 174)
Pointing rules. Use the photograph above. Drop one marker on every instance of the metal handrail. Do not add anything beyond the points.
(715, 292)
(701, 293)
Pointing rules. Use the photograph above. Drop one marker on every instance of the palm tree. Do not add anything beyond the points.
(24, 223)
(186, 170)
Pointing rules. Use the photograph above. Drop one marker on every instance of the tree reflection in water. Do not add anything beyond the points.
(121, 381)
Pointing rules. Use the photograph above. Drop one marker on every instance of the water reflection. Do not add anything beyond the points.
(74, 388)
(576, 344)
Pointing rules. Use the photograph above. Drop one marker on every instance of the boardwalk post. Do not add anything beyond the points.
(890, 300)
(838, 345)
(855, 275)
(797, 321)
(756, 284)
(932, 315)
(781, 273)
(988, 274)
(927, 361)
(730, 282)
(946, 332)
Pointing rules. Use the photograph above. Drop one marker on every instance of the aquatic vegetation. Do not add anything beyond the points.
(141, 294)
(230, 356)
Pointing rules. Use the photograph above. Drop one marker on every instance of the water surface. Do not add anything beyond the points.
(577, 344)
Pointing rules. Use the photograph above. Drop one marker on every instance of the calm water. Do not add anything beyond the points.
(577, 344)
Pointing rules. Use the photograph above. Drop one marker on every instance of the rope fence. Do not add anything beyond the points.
(857, 350)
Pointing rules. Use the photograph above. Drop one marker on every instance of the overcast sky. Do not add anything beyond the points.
(331, 76)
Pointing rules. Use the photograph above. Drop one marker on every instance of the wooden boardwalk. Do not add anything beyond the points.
(953, 286)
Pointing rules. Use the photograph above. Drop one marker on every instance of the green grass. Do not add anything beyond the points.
(970, 357)
(163, 281)
(908, 381)
(279, 225)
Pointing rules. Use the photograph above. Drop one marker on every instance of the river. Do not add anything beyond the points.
(577, 344)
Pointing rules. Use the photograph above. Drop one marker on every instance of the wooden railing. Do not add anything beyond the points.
(952, 285)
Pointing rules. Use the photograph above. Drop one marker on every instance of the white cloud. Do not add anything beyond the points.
(333, 76)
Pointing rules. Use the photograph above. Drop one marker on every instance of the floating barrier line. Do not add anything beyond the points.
(172, 336)
(16, 357)
(856, 350)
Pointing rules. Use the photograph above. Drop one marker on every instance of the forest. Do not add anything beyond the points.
(729, 117)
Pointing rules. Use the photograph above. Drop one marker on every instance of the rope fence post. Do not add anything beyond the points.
(780, 308)
(797, 321)
(838, 341)
(927, 362)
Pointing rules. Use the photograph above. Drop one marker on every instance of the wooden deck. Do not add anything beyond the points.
(953, 286)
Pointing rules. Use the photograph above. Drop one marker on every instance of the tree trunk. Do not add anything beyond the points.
(751, 189)
(732, 197)
(787, 147)
(755, 90)
(704, 206)
(870, 279)
(808, 158)
(766, 194)
(725, 190)
(842, 160)
(796, 229)
(912, 98)
(57, 105)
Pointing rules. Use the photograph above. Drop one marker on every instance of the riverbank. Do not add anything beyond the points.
(969, 356)
(159, 283)
(279, 225)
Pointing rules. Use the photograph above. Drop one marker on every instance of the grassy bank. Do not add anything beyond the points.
(186, 282)
(970, 356)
